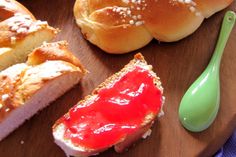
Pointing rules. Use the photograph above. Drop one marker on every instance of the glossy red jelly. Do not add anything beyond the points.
(114, 112)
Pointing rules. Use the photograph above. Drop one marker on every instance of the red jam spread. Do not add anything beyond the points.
(116, 111)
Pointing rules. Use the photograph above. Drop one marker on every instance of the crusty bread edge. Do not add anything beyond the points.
(44, 55)
(76, 150)
(9, 117)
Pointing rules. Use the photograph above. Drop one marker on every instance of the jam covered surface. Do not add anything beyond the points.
(114, 112)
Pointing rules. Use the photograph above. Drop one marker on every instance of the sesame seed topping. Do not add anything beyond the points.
(190, 4)
(7, 109)
(131, 12)
(131, 22)
(139, 23)
(20, 23)
(13, 40)
(5, 97)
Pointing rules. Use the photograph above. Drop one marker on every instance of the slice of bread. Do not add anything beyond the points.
(27, 88)
(19, 35)
(64, 135)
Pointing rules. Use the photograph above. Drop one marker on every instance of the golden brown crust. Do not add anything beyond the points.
(100, 28)
(20, 82)
(9, 8)
(18, 27)
(20, 33)
(209, 7)
(35, 77)
(9, 79)
(17, 22)
(54, 51)
(120, 26)
(17, 89)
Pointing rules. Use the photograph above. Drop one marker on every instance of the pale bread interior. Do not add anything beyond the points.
(44, 96)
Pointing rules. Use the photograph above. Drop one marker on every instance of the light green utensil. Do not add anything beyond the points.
(200, 104)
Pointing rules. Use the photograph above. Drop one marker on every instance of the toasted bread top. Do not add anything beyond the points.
(20, 82)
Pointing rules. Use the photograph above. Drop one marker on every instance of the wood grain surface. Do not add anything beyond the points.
(178, 65)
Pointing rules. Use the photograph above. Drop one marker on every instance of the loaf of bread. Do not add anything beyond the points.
(26, 88)
(121, 26)
(20, 33)
(120, 111)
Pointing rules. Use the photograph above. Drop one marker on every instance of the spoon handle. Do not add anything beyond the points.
(227, 26)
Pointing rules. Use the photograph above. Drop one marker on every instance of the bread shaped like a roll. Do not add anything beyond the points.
(26, 88)
(20, 33)
(121, 26)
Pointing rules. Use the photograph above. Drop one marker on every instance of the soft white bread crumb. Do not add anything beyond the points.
(28, 87)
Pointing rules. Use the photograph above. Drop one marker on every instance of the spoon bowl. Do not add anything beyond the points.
(200, 104)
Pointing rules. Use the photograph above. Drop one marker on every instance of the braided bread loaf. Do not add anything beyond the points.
(20, 33)
(26, 88)
(120, 26)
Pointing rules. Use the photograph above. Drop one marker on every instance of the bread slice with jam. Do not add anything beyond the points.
(120, 111)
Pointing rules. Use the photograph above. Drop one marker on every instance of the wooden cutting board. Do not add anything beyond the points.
(178, 65)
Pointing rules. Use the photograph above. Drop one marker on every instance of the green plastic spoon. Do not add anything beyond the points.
(200, 104)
